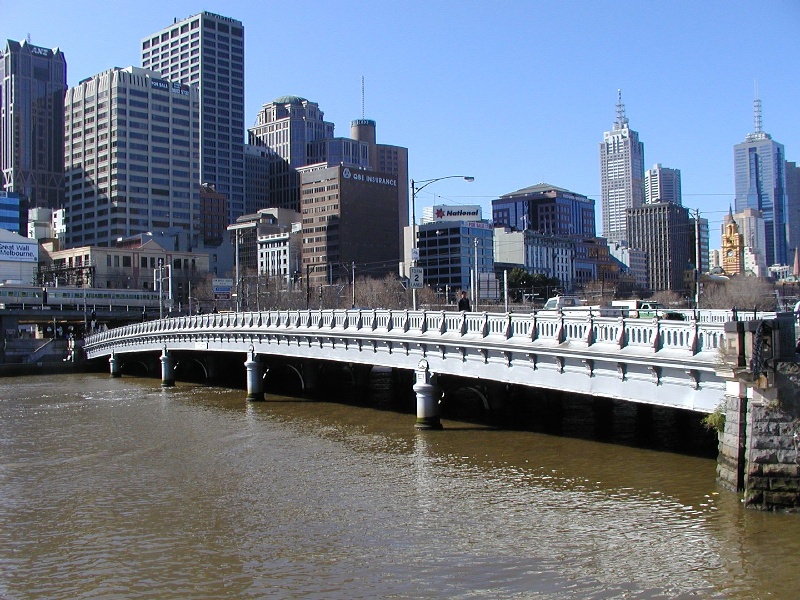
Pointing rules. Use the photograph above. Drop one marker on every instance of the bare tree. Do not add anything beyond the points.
(669, 298)
(743, 292)
(380, 293)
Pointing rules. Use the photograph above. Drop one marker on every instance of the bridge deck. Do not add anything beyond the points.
(671, 363)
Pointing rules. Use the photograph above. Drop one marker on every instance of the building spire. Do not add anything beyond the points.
(622, 120)
(757, 111)
(758, 130)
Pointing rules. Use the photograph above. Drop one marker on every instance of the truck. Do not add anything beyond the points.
(573, 304)
(646, 309)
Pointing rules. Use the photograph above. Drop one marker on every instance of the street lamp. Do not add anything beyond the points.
(414, 189)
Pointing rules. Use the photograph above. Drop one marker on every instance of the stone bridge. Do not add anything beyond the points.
(653, 361)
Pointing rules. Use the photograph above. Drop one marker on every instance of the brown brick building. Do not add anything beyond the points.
(349, 216)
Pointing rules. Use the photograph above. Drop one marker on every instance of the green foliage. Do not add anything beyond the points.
(521, 282)
(716, 419)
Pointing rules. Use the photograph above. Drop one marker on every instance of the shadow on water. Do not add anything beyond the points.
(551, 412)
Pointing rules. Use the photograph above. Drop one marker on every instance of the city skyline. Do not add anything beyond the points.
(465, 89)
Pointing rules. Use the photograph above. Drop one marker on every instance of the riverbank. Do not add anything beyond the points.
(42, 368)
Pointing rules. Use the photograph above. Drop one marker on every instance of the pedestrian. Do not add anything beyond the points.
(463, 303)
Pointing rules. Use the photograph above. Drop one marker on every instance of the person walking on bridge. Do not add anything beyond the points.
(463, 303)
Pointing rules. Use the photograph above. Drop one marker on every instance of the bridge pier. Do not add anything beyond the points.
(114, 366)
(428, 395)
(167, 369)
(255, 377)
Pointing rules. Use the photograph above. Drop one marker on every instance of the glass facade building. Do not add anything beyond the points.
(450, 251)
(545, 208)
(33, 81)
(760, 183)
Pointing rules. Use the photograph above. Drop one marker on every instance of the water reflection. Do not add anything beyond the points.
(115, 488)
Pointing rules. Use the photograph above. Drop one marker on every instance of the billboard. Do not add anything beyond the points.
(16, 252)
(457, 213)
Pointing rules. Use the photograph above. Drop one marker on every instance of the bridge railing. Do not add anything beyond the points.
(564, 330)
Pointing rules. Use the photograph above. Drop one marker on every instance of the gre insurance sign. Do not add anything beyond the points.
(14, 252)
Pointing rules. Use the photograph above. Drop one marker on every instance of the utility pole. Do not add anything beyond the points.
(354, 283)
(308, 286)
(697, 258)
(475, 284)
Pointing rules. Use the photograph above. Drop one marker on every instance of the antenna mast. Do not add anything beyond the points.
(757, 111)
(362, 97)
(622, 120)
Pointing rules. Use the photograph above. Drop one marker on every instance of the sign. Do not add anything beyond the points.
(159, 84)
(348, 173)
(221, 287)
(457, 213)
(39, 51)
(415, 277)
(180, 88)
(19, 252)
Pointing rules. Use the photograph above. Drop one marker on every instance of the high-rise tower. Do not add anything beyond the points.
(33, 81)
(207, 50)
(662, 184)
(129, 157)
(621, 175)
(759, 165)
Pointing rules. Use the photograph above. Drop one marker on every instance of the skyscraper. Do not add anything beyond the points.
(760, 183)
(621, 175)
(33, 81)
(793, 200)
(207, 50)
(129, 157)
(662, 184)
(663, 231)
(287, 126)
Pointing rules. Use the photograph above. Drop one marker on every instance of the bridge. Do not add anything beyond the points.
(671, 363)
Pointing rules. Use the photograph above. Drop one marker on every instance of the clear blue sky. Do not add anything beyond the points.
(511, 92)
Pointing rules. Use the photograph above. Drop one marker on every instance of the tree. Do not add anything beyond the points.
(742, 292)
(521, 282)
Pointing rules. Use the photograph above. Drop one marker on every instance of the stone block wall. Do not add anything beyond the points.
(772, 466)
(731, 457)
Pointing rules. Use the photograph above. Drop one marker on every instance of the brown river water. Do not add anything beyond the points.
(115, 488)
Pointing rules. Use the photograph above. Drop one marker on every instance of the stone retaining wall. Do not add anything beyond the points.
(772, 475)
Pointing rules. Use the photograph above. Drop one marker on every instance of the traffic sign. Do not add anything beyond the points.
(416, 277)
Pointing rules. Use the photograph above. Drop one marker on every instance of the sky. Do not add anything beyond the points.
(510, 92)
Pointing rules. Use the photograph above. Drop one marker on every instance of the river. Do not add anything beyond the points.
(115, 488)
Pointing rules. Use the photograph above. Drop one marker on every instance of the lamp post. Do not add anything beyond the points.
(414, 189)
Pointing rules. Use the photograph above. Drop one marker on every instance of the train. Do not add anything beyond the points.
(66, 298)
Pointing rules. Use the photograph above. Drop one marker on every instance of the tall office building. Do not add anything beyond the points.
(621, 175)
(664, 232)
(760, 183)
(33, 81)
(301, 141)
(662, 184)
(349, 218)
(793, 201)
(130, 141)
(207, 50)
(287, 126)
